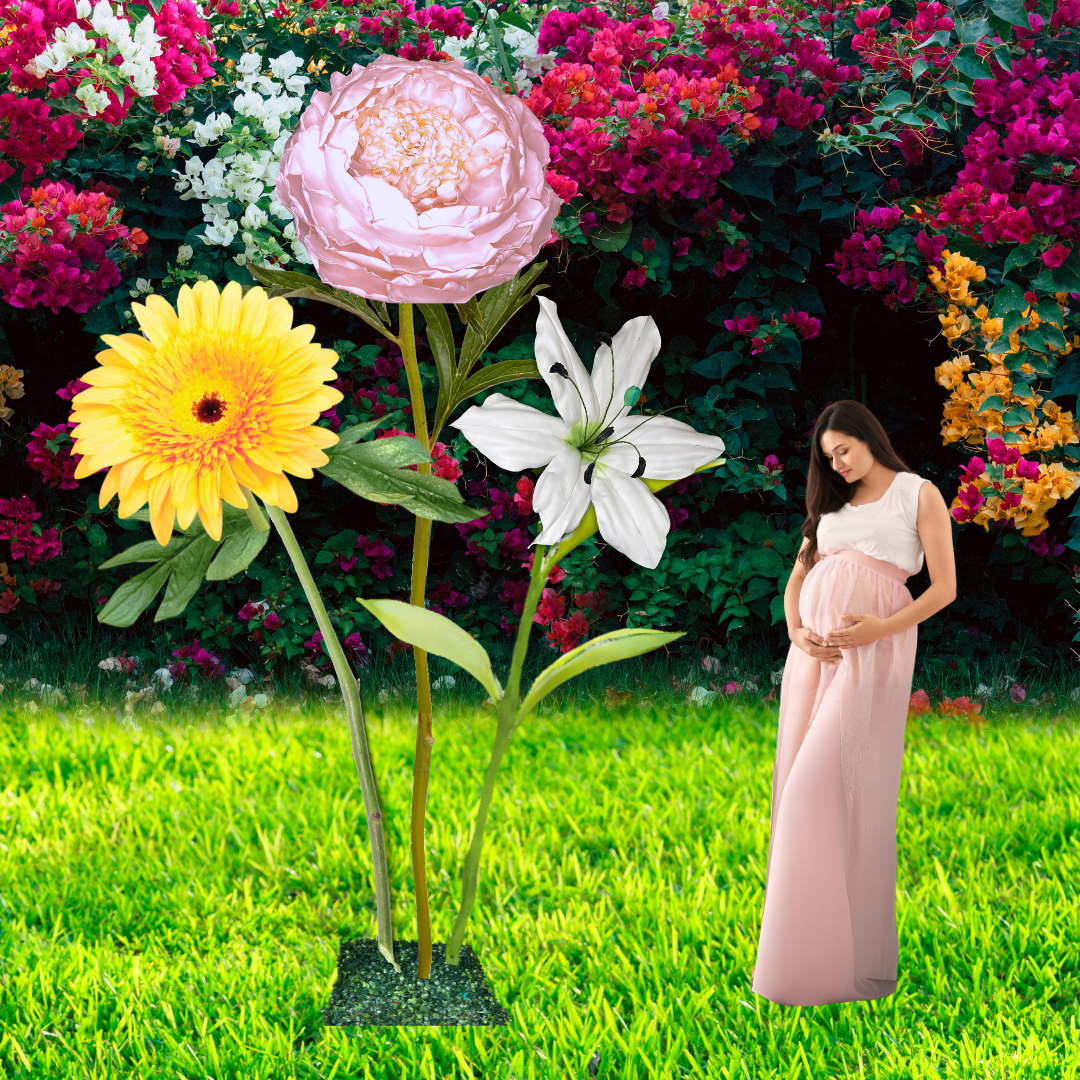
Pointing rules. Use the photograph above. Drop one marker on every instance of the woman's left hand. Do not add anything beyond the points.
(868, 628)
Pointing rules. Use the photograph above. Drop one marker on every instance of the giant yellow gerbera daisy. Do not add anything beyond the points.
(220, 393)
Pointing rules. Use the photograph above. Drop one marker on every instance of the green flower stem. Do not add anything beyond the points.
(355, 714)
(425, 736)
(507, 719)
(258, 519)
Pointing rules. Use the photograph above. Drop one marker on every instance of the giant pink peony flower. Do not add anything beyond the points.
(414, 181)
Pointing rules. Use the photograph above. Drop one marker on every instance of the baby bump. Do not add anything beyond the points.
(836, 587)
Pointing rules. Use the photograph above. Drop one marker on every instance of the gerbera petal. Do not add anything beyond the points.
(187, 309)
(285, 496)
(513, 435)
(230, 489)
(228, 316)
(623, 364)
(670, 448)
(109, 486)
(210, 502)
(156, 319)
(253, 312)
(561, 496)
(573, 392)
(629, 516)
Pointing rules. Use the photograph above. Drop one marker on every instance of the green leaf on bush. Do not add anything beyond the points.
(379, 471)
(1012, 11)
(970, 63)
(974, 30)
(940, 37)
(605, 649)
(1010, 297)
(438, 635)
(1019, 256)
(960, 94)
(992, 402)
(611, 236)
(1016, 416)
(492, 375)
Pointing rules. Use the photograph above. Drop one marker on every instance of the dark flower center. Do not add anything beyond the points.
(209, 409)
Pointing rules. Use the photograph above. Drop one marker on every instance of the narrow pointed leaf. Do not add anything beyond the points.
(146, 551)
(354, 433)
(289, 283)
(188, 572)
(436, 634)
(495, 375)
(440, 337)
(135, 596)
(605, 649)
(497, 307)
(237, 552)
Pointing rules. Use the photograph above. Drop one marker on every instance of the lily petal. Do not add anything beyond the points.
(552, 348)
(561, 496)
(513, 435)
(671, 449)
(625, 363)
(630, 517)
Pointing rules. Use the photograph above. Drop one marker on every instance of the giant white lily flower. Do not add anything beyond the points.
(594, 450)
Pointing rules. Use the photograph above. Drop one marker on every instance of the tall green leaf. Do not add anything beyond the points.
(436, 634)
(605, 649)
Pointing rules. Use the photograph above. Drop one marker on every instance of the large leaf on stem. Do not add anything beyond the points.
(183, 563)
(289, 283)
(379, 471)
(606, 649)
(436, 634)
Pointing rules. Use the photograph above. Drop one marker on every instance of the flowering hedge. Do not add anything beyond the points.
(712, 158)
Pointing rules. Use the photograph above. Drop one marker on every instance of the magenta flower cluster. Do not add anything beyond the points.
(60, 247)
(28, 541)
(40, 121)
(1000, 453)
(204, 661)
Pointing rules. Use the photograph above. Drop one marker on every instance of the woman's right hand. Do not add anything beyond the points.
(810, 642)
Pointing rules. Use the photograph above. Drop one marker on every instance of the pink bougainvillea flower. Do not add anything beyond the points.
(414, 181)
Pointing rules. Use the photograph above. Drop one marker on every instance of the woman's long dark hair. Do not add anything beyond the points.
(826, 489)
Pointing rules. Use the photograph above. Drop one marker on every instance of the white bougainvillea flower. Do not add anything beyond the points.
(595, 450)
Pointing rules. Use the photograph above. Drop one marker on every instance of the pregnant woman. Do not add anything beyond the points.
(828, 929)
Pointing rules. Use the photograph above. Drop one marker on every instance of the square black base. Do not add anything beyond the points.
(370, 993)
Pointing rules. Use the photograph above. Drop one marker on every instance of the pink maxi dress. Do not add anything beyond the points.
(828, 929)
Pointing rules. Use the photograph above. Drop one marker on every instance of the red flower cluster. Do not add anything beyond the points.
(445, 596)
(60, 247)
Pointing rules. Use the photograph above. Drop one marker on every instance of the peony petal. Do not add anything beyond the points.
(629, 516)
(513, 435)
(625, 363)
(671, 449)
(572, 393)
(561, 496)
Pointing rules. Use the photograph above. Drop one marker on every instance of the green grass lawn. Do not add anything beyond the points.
(172, 898)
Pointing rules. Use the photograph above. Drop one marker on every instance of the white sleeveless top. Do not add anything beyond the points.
(885, 529)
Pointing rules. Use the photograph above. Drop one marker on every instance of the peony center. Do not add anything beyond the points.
(422, 150)
(209, 409)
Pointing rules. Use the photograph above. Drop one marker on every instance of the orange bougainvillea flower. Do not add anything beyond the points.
(919, 703)
(221, 393)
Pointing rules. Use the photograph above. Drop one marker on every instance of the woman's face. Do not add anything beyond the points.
(846, 455)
